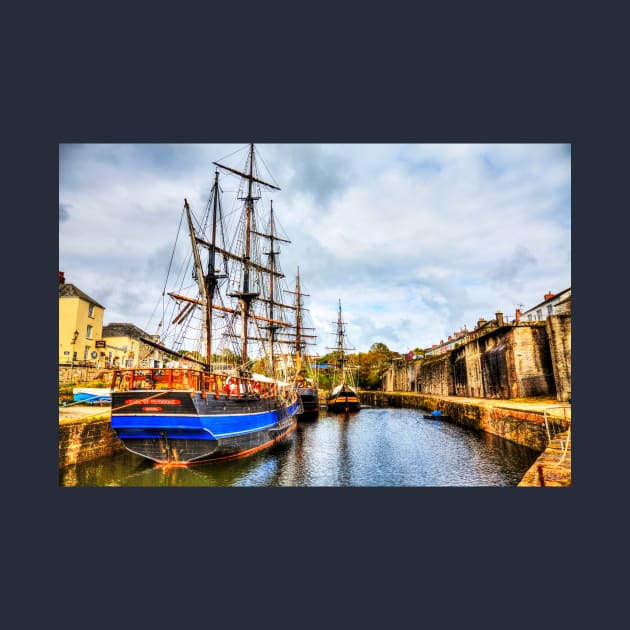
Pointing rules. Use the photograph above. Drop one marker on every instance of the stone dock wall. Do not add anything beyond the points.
(87, 438)
(522, 426)
(553, 467)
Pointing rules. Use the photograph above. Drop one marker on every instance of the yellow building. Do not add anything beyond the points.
(124, 347)
(80, 327)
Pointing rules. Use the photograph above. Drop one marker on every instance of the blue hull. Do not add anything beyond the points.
(201, 429)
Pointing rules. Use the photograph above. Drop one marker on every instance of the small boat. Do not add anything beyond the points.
(436, 415)
(343, 396)
(224, 391)
(342, 399)
(92, 395)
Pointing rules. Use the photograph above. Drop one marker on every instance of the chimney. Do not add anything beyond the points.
(433, 346)
(481, 322)
(62, 279)
(441, 342)
(517, 316)
(499, 317)
(549, 295)
(450, 338)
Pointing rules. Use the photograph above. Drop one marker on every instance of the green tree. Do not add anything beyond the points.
(372, 365)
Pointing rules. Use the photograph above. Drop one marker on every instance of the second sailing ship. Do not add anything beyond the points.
(343, 396)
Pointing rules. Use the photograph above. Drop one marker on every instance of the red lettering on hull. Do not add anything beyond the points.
(162, 401)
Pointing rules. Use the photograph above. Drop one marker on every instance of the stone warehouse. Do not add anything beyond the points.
(520, 359)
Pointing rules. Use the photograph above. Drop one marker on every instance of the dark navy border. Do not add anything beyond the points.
(439, 557)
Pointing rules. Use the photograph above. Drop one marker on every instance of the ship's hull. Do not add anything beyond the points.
(182, 427)
(310, 403)
(343, 401)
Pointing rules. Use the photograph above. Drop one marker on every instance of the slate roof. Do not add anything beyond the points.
(122, 329)
(69, 290)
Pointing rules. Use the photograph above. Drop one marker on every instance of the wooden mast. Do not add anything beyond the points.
(245, 295)
(211, 278)
(201, 281)
(272, 265)
(340, 348)
(298, 324)
(207, 282)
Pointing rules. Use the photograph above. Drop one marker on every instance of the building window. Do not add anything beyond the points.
(91, 310)
(133, 345)
(529, 317)
(539, 314)
(88, 333)
(549, 309)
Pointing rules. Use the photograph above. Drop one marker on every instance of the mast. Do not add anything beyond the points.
(207, 282)
(272, 265)
(199, 275)
(300, 343)
(298, 318)
(340, 332)
(246, 294)
(297, 339)
(211, 278)
(340, 347)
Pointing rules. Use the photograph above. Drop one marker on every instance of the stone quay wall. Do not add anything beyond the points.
(522, 426)
(497, 360)
(85, 439)
(559, 332)
(81, 375)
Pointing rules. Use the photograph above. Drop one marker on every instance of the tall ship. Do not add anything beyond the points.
(343, 396)
(305, 375)
(221, 390)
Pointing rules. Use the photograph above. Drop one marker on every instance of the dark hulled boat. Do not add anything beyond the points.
(305, 379)
(309, 397)
(198, 409)
(343, 396)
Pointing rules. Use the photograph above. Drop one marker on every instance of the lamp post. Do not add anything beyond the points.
(75, 334)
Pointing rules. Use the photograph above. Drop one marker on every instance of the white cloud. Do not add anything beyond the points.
(416, 240)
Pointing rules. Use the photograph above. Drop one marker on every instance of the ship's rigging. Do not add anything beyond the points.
(236, 307)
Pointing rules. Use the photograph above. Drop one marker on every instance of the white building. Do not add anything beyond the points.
(550, 306)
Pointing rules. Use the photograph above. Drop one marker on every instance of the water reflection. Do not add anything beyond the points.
(373, 447)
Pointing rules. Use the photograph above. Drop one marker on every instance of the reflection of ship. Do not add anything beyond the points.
(195, 409)
(343, 396)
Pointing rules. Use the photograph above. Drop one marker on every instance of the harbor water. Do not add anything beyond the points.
(372, 447)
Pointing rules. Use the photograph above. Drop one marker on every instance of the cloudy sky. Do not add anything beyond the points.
(416, 240)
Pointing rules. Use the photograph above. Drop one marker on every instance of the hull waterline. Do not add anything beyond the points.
(180, 428)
